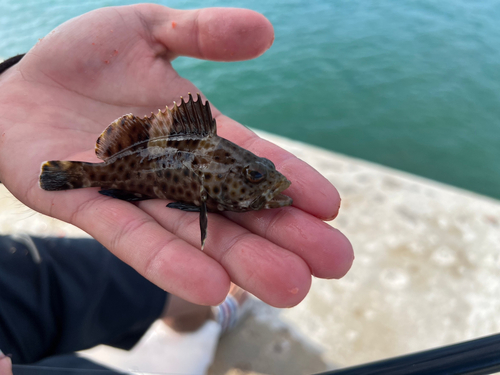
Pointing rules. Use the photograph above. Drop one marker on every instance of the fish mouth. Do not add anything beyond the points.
(273, 198)
(279, 200)
(276, 199)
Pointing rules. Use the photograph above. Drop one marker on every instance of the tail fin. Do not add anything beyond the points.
(62, 175)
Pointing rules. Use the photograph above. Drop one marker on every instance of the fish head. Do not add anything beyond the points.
(254, 185)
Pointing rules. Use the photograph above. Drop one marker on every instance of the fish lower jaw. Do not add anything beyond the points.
(279, 200)
(276, 199)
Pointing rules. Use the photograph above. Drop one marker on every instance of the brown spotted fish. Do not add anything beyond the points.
(177, 155)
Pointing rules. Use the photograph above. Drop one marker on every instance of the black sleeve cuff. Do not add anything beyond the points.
(6, 64)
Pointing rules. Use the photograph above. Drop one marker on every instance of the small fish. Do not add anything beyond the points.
(177, 155)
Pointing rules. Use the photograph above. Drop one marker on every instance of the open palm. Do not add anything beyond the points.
(95, 68)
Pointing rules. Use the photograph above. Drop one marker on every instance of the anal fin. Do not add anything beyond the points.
(124, 195)
(203, 215)
(192, 208)
(203, 223)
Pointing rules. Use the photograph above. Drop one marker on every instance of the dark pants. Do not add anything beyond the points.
(61, 295)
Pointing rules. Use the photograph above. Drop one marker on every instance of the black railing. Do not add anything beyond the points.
(480, 356)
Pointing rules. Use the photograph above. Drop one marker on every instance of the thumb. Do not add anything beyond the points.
(5, 364)
(219, 34)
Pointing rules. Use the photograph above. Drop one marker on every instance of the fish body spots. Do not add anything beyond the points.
(179, 184)
(223, 157)
(233, 178)
(140, 157)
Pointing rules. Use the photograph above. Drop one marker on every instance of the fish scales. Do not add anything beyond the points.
(176, 155)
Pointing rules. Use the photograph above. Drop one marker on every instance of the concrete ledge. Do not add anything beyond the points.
(426, 274)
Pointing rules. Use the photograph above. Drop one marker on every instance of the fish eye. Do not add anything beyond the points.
(254, 174)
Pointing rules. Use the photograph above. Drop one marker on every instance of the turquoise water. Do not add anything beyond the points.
(414, 85)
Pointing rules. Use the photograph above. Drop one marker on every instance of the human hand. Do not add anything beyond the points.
(97, 67)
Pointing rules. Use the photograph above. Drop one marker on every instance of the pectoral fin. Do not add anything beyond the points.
(184, 206)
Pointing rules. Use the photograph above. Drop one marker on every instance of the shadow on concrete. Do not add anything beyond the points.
(256, 347)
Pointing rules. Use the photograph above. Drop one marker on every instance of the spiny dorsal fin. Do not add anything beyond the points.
(193, 119)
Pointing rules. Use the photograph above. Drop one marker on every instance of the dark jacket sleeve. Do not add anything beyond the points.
(62, 295)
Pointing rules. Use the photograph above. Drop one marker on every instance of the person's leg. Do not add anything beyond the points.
(184, 316)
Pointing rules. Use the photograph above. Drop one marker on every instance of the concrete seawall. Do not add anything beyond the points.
(426, 274)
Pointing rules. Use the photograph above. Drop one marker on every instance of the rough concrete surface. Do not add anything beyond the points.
(426, 274)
